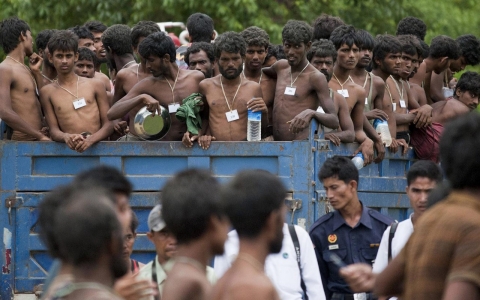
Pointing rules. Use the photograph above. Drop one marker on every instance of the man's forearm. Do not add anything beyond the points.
(327, 120)
(122, 107)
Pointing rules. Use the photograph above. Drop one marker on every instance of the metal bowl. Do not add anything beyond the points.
(152, 128)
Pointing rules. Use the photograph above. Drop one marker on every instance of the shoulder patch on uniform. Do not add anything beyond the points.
(380, 217)
(321, 220)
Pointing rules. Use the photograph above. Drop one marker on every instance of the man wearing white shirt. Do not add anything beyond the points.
(282, 268)
(422, 177)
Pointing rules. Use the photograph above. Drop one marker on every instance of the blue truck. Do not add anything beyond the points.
(30, 169)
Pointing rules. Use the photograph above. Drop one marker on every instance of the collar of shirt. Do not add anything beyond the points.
(365, 219)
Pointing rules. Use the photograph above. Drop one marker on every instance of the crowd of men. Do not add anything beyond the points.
(340, 76)
(354, 252)
(334, 73)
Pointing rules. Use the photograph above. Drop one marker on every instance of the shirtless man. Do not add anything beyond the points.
(194, 212)
(168, 86)
(85, 65)
(345, 40)
(322, 56)
(97, 28)
(387, 61)
(373, 85)
(48, 70)
(399, 89)
(470, 56)
(443, 50)
(426, 140)
(133, 73)
(228, 96)
(300, 88)
(257, 46)
(200, 56)
(259, 231)
(75, 107)
(19, 105)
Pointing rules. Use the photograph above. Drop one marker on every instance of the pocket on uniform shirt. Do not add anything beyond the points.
(369, 254)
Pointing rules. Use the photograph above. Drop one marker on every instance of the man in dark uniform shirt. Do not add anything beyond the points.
(353, 231)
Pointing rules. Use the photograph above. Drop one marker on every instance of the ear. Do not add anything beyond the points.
(353, 184)
(308, 45)
(214, 35)
(190, 39)
(458, 93)
(149, 236)
(166, 57)
(443, 60)
(40, 52)
(76, 57)
(50, 58)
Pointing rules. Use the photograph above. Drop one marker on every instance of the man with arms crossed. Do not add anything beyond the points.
(228, 96)
(254, 203)
(168, 86)
(322, 56)
(300, 88)
(19, 105)
(194, 212)
(75, 107)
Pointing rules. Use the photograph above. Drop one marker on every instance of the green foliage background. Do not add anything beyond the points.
(450, 17)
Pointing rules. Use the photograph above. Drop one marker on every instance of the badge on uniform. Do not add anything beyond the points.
(79, 103)
(332, 238)
(290, 90)
(333, 247)
(343, 92)
(232, 115)
(172, 108)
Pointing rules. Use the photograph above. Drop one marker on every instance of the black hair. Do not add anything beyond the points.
(412, 25)
(424, 168)
(134, 222)
(250, 197)
(85, 226)
(459, 146)
(470, 48)
(322, 48)
(365, 40)
(444, 46)
(143, 29)
(425, 48)
(255, 36)
(82, 32)
(469, 82)
(158, 44)
(87, 54)
(95, 26)
(324, 25)
(10, 31)
(280, 52)
(231, 42)
(189, 200)
(43, 37)
(208, 48)
(339, 167)
(345, 34)
(117, 38)
(385, 44)
(63, 40)
(272, 50)
(108, 177)
(200, 27)
(297, 32)
(411, 45)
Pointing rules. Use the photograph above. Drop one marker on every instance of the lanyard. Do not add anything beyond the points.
(76, 96)
(226, 100)
(174, 84)
(291, 78)
(349, 78)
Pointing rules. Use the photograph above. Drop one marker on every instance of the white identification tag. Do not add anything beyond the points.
(332, 247)
(402, 103)
(290, 90)
(344, 93)
(79, 103)
(320, 110)
(232, 115)
(394, 106)
(366, 101)
(172, 108)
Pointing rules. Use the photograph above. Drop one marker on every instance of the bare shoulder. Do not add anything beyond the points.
(357, 89)
(205, 83)
(195, 74)
(250, 84)
(281, 64)
(254, 288)
(47, 89)
(5, 68)
(377, 81)
(101, 76)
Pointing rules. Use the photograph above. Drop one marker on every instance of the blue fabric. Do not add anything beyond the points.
(353, 245)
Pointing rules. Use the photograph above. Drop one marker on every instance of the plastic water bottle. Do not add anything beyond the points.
(358, 160)
(254, 126)
(381, 126)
